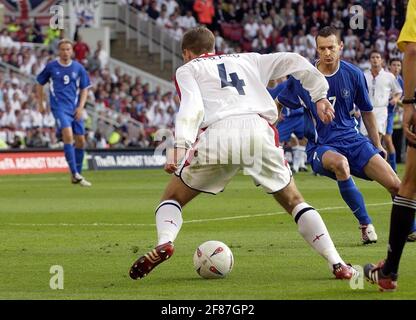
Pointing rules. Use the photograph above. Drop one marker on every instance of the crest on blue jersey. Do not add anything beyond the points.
(345, 93)
(74, 75)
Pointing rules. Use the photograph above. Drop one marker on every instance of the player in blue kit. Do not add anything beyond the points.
(291, 131)
(68, 86)
(338, 150)
(395, 69)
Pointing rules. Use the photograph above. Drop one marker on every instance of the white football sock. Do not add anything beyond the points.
(168, 221)
(313, 230)
(297, 156)
(302, 160)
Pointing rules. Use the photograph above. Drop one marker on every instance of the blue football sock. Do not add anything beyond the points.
(354, 199)
(414, 227)
(79, 156)
(70, 157)
(392, 161)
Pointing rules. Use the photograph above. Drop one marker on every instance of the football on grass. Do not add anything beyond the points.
(213, 260)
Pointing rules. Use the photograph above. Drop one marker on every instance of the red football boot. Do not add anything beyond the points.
(150, 260)
(342, 271)
(374, 274)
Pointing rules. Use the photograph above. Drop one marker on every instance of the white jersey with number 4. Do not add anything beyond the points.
(216, 87)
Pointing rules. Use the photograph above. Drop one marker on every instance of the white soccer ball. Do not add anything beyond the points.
(213, 260)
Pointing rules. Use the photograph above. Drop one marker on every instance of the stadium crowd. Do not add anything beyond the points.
(261, 26)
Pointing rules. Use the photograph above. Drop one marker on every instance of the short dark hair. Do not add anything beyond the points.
(327, 31)
(375, 52)
(198, 40)
(394, 60)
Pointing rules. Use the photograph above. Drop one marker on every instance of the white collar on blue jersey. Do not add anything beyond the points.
(328, 75)
(64, 65)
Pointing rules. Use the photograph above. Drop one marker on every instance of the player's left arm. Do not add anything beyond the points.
(84, 84)
(188, 118)
(396, 91)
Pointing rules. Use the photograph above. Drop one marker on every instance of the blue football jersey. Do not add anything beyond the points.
(347, 89)
(287, 112)
(65, 83)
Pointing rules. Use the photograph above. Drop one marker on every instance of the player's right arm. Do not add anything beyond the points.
(281, 64)
(277, 65)
(42, 79)
(188, 118)
(39, 94)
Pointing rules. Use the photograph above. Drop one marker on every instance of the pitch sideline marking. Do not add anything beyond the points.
(103, 224)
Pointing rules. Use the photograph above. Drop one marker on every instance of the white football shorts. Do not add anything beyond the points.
(247, 143)
(381, 120)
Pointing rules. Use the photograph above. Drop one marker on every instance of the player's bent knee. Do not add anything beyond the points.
(394, 185)
(178, 191)
(289, 197)
(341, 167)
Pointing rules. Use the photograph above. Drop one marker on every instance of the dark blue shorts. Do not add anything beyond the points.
(358, 151)
(291, 125)
(390, 121)
(65, 120)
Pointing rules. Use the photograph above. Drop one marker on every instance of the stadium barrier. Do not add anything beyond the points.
(38, 161)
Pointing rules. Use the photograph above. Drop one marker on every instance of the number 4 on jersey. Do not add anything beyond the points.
(235, 82)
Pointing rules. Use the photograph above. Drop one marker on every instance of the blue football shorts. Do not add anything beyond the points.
(291, 125)
(65, 120)
(358, 151)
(390, 121)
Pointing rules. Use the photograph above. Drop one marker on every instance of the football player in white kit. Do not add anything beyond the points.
(383, 88)
(226, 110)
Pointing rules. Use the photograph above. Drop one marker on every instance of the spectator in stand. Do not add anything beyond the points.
(163, 20)
(102, 54)
(275, 39)
(187, 21)
(266, 28)
(205, 11)
(378, 19)
(381, 42)
(349, 53)
(251, 29)
(9, 122)
(94, 62)
(5, 40)
(171, 6)
(81, 50)
(15, 102)
(14, 88)
(350, 39)
(152, 10)
(240, 11)
(219, 42)
(49, 126)
(284, 46)
(51, 35)
(259, 44)
(277, 19)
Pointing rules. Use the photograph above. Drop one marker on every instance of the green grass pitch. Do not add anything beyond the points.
(95, 234)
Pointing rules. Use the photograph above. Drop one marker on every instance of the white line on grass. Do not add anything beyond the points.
(103, 224)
